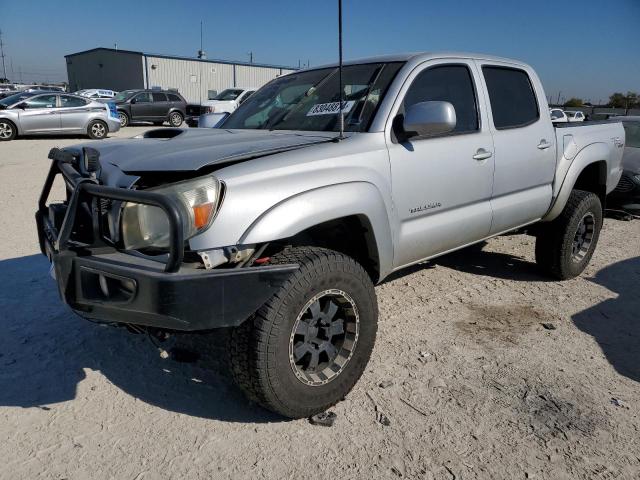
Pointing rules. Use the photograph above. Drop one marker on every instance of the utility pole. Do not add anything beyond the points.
(250, 57)
(4, 69)
(558, 102)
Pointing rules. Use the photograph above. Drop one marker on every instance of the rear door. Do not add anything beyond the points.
(441, 185)
(160, 105)
(74, 113)
(524, 141)
(40, 114)
(142, 106)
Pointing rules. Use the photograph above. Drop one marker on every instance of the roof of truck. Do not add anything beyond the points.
(421, 56)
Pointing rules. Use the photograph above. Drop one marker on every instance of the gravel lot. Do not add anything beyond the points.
(474, 385)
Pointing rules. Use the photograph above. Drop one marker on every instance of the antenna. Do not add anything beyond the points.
(341, 120)
(4, 69)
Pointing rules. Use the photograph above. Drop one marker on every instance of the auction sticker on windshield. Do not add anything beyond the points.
(330, 108)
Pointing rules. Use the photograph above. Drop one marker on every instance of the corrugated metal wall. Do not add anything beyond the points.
(194, 79)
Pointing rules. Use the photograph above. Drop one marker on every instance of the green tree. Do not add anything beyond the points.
(573, 102)
(620, 100)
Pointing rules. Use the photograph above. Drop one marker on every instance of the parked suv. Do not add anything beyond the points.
(157, 106)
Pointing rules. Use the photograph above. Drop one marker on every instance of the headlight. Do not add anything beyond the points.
(148, 226)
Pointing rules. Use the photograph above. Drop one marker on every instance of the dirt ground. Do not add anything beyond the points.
(473, 384)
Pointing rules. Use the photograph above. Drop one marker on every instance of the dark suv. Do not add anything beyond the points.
(157, 106)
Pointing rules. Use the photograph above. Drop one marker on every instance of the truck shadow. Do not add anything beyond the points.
(615, 323)
(479, 262)
(46, 351)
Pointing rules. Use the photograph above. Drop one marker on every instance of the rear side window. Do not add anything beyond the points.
(173, 97)
(632, 134)
(447, 83)
(68, 101)
(159, 97)
(513, 101)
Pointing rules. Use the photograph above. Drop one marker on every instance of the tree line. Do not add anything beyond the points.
(616, 100)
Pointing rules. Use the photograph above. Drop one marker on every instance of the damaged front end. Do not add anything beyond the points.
(120, 255)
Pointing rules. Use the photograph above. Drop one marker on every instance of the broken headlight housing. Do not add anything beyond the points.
(148, 226)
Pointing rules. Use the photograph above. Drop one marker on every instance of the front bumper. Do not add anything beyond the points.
(101, 283)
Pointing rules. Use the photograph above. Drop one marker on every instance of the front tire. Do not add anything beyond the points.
(124, 119)
(8, 131)
(175, 119)
(97, 130)
(305, 349)
(564, 246)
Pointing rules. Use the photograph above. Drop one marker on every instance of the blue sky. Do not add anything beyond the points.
(585, 48)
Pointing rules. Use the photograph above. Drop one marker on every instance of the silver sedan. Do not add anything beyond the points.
(46, 113)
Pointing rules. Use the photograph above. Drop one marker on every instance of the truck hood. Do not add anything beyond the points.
(193, 149)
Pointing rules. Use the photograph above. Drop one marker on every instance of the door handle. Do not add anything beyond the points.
(482, 154)
(543, 145)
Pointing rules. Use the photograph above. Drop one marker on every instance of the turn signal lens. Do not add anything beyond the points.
(202, 215)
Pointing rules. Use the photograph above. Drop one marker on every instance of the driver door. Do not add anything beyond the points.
(441, 185)
(40, 114)
(142, 106)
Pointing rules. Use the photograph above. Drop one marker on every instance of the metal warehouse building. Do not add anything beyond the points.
(194, 78)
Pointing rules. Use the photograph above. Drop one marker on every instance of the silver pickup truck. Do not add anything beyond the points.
(277, 227)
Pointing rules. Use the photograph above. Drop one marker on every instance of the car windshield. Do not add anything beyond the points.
(310, 100)
(228, 94)
(18, 97)
(632, 134)
(122, 96)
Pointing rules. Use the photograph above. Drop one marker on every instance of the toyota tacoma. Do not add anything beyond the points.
(277, 225)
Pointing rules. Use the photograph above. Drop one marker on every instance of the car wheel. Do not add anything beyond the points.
(176, 119)
(305, 349)
(124, 119)
(8, 131)
(564, 247)
(97, 130)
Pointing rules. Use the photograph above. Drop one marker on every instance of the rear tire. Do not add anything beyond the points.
(124, 119)
(281, 357)
(564, 246)
(8, 131)
(175, 119)
(97, 130)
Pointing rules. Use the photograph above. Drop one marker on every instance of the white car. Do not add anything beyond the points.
(558, 115)
(574, 116)
(225, 102)
(97, 93)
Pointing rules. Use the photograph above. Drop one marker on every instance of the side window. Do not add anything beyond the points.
(447, 83)
(143, 97)
(159, 97)
(42, 101)
(68, 101)
(513, 100)
(173, 97)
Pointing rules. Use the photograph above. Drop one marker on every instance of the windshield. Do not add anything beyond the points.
(18, 97)
(310, 100)
(228, 94)
(122, 96)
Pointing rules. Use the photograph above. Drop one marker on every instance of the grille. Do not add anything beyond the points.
(625, 185)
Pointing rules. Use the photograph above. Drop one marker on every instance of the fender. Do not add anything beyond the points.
(313, 207)
(595, 152)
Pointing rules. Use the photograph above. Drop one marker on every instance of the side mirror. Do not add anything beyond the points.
(21, 106)
(428, 119)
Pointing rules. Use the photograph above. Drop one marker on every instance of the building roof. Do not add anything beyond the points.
(177, 57)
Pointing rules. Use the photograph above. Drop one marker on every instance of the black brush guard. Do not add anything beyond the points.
(102, 283)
